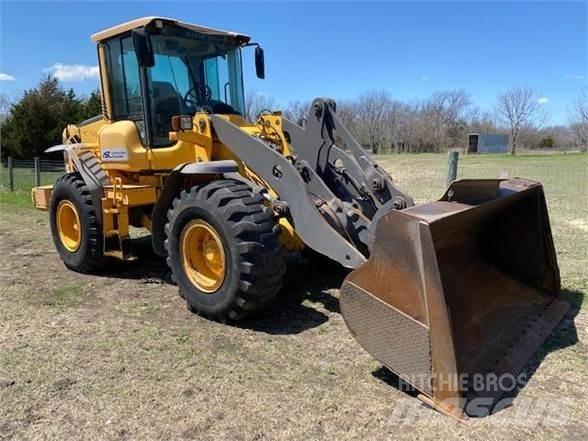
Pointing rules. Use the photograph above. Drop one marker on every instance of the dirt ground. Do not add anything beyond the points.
(118, 356)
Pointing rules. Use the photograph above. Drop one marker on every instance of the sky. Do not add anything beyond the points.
(332, 49)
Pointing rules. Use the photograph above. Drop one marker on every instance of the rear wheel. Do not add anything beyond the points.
(223, 250)
(74, 225)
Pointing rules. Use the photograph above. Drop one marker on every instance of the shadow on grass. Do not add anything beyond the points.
(564, 335)
(305, 281)
(148, 267)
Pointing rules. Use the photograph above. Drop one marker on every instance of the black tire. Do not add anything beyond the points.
(88, 256)
(249, 235)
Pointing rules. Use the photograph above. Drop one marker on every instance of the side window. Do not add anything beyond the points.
(124, 79)
(211, 75)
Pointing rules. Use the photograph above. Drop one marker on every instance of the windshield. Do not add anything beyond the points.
(192, 72)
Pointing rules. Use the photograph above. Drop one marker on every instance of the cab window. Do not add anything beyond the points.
(125, 85)
(169, 82)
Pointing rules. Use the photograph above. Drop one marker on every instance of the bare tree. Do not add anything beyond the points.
(296, 111)
(372, 112)
(580, 110)
(480, 121)
(256, 102)
(5, 103)
(518, 108)
(579, 120)
(441, 121)
(347, 111)
(446, 115)
(449, 105)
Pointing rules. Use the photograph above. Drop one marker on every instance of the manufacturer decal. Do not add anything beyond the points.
(114, 154)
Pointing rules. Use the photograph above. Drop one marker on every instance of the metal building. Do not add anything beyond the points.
(487, 143)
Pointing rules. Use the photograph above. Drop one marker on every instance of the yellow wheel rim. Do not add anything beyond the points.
(203, 256)
(69, 227)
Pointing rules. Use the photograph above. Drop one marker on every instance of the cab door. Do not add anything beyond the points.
(123, 142)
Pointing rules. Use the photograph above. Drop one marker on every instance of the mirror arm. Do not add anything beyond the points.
(259, 60)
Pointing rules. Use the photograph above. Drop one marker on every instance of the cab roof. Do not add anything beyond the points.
(145, 21)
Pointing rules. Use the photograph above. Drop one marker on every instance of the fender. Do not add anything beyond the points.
(173, 185)
(90, 170)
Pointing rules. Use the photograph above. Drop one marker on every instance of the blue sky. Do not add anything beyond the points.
(333, 49)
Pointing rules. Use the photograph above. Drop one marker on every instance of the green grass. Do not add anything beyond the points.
(564, 177)
(24, 181)
(19, 199)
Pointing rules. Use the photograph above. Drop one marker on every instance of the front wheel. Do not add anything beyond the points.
(74, 224)
(223, 250)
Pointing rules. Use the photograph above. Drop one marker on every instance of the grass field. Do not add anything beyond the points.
(118, 356)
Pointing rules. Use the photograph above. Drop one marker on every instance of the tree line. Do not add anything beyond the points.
(379, 122)
(36, 121)
(442, 121)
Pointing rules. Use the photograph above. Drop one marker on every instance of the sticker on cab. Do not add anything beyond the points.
(114, 154)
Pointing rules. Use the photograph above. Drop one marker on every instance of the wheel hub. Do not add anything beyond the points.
(69, 227)
(203, 256)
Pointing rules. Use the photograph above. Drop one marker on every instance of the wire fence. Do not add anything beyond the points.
(24, 174)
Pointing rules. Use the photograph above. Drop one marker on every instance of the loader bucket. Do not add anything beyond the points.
(458, 294)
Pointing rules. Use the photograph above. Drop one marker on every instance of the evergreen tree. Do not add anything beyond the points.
(38, 119)
(92, 106)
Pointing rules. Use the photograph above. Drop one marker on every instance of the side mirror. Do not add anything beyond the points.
(143, 50)
(259, 63)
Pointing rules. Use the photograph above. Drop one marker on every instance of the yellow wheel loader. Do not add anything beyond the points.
(442, 293)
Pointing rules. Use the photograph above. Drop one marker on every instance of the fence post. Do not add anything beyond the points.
(452, 166)
(10, 174)
(37, 171)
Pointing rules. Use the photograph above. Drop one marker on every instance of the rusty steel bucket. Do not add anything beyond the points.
(459, 293)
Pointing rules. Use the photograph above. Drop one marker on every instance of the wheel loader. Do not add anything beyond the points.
(457, 288)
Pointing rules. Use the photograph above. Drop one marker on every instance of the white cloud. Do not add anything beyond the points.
(574, 77)
(424, 77)
(72, 72)
(543, 100)
(6, 77)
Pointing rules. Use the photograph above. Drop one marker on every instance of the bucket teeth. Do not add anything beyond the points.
(458, 294)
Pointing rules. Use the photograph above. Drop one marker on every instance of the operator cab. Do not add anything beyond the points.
(155, 68)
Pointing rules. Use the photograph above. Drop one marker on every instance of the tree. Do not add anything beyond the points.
(480, 121)
(92, 105)
(517, 108)
(546, 143)
(446, 115)
(37, 120)
(256, 102)
(5, 104)
(296, 111)
(409, 129)
(579, 120)
(372, 110)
